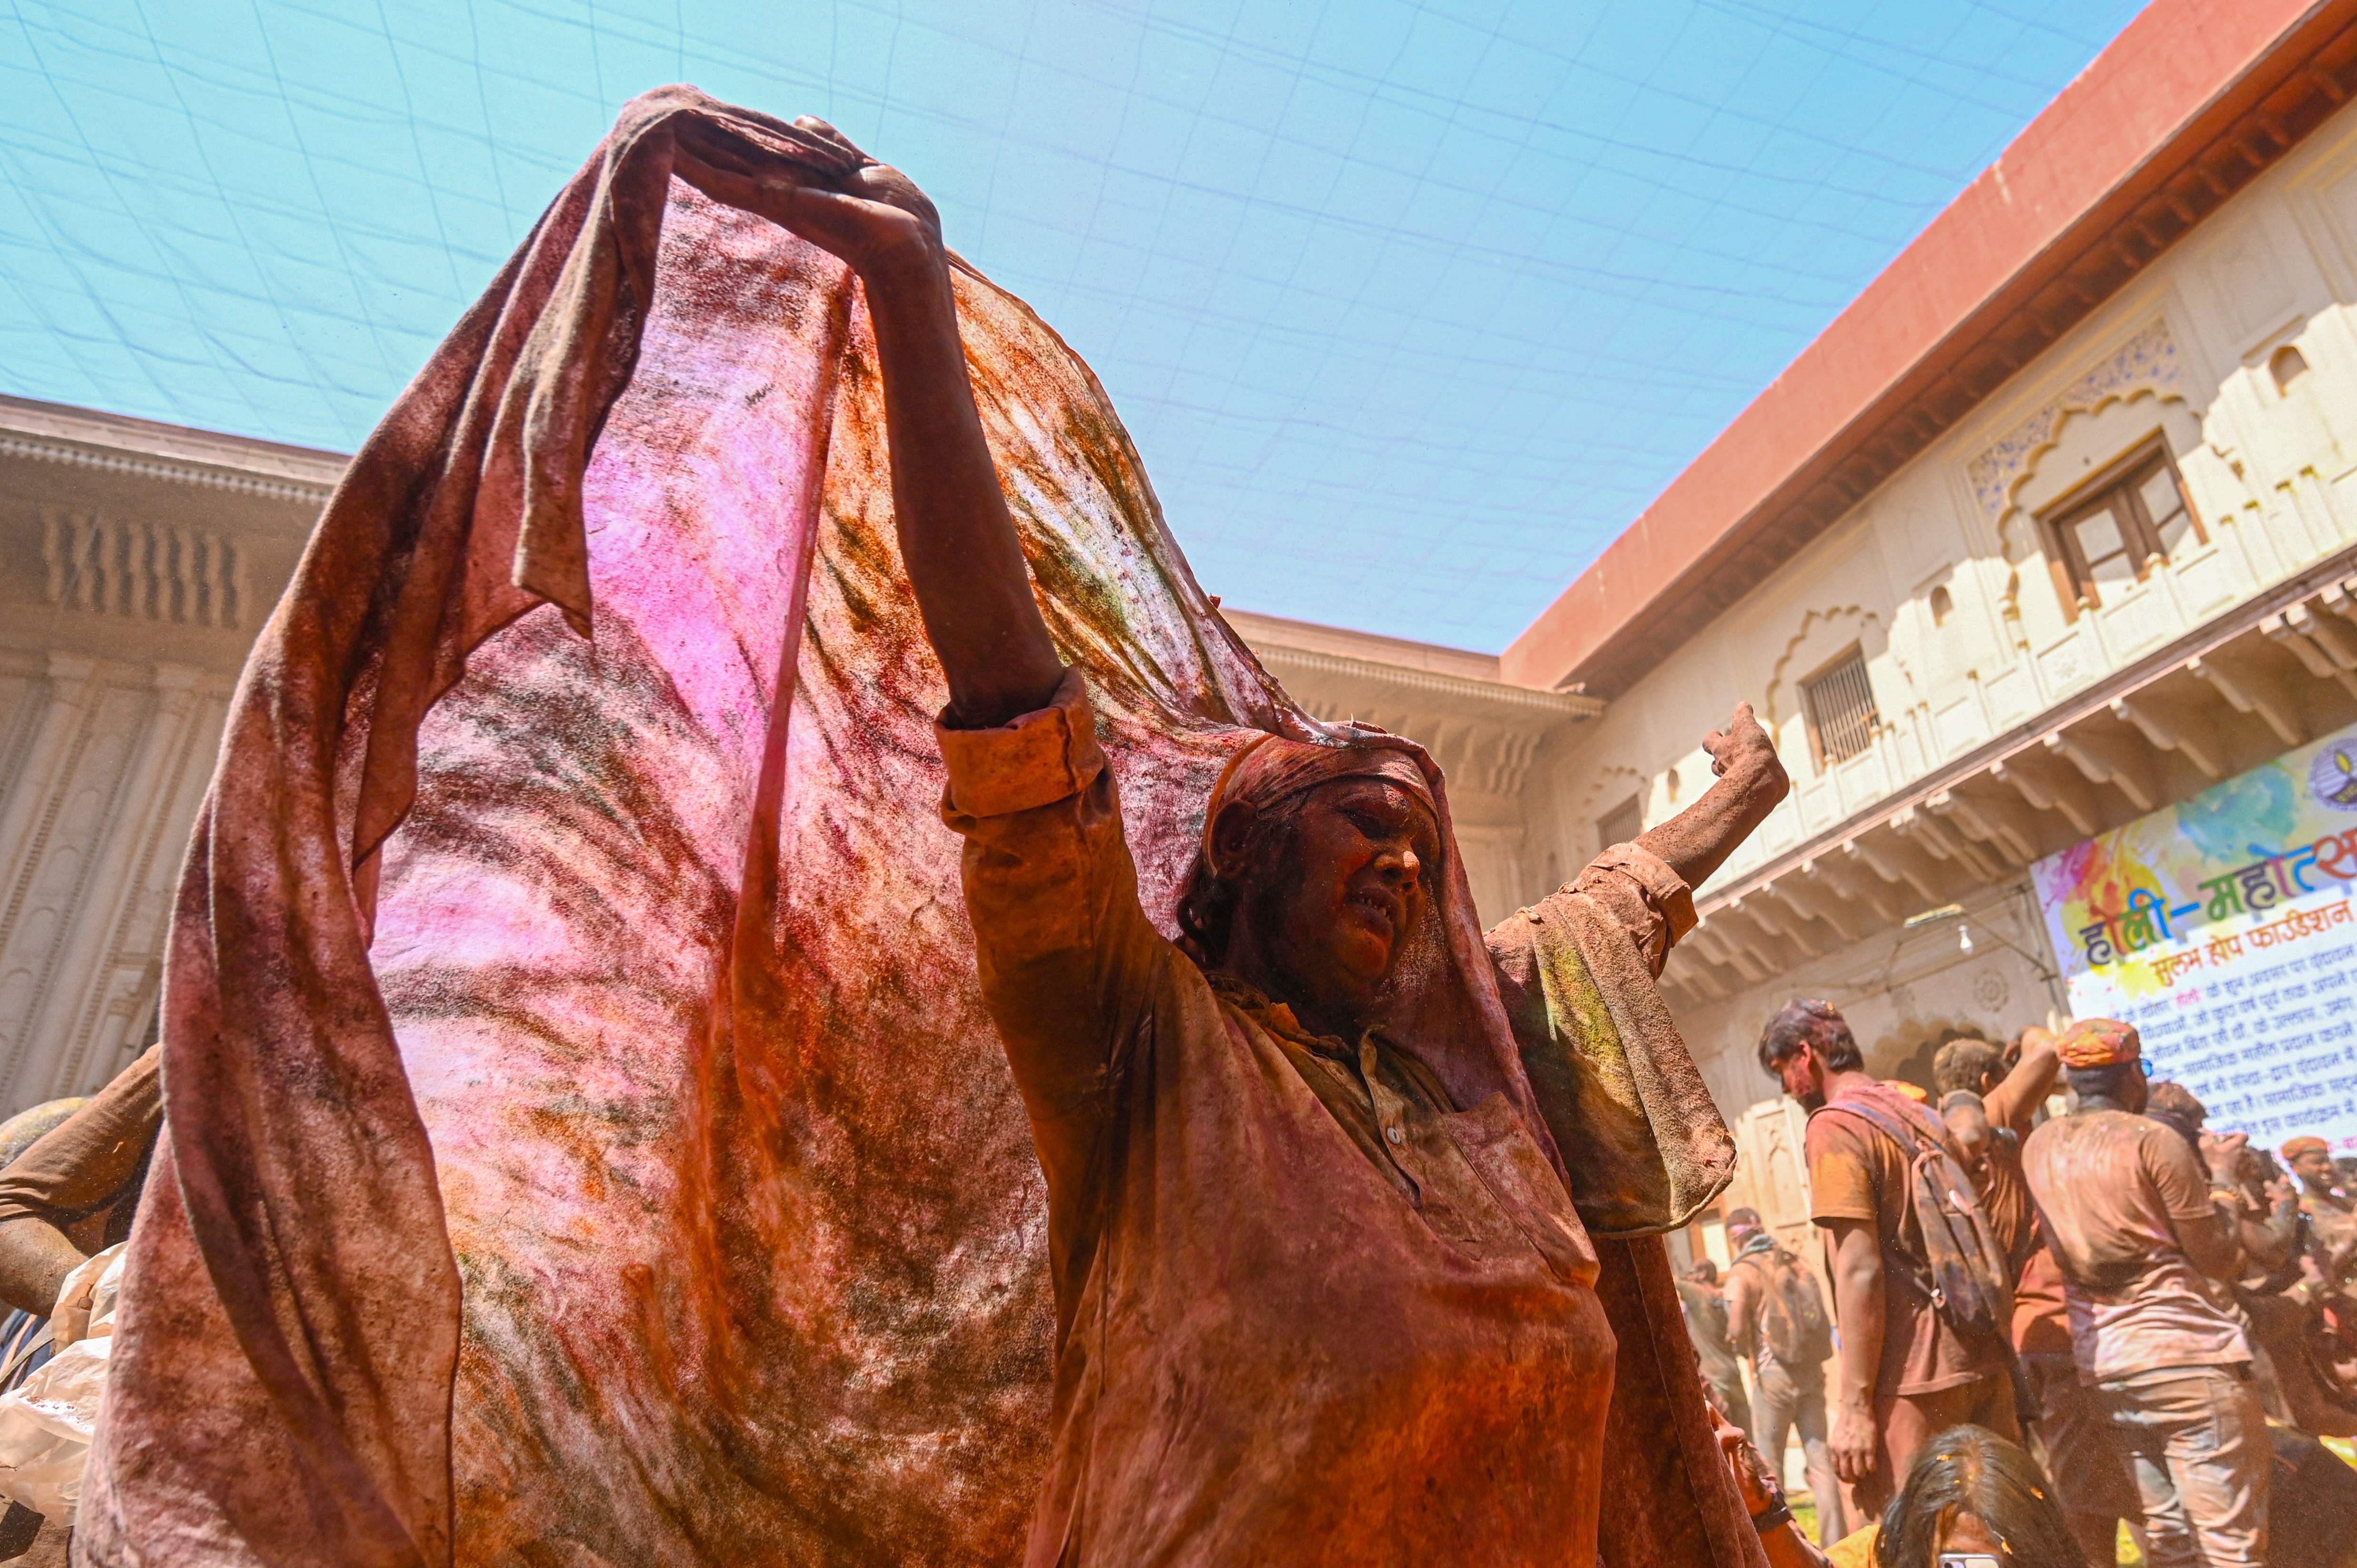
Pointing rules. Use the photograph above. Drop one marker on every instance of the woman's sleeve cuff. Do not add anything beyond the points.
(1664, 888)
(1034, 759)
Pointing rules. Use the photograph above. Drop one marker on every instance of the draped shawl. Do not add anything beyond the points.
(585, 1142)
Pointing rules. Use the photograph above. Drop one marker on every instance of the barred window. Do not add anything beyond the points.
(1620, 825)
(1840, 705)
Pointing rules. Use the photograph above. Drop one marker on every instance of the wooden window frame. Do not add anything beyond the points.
(2117, 488)
(1854, 652)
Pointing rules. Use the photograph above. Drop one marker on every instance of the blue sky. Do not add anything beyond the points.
(1411, 308)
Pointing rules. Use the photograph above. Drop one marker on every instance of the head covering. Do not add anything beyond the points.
(2295, 1147)
(1275, 769)
(2099, 1042)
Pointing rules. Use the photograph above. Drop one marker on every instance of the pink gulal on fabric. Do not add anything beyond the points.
(585, 1142)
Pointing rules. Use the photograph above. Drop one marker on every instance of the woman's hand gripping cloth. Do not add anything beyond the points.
(584, 1138)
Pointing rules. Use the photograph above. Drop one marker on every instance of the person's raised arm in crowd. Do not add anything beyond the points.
(1647, 884)
(1750, 780)
(1066, 956)
(2276, 1246)
(2266, 1205)
(2215, 1241)
(2014, 1100)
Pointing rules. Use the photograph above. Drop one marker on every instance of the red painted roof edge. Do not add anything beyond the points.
(2134, 99)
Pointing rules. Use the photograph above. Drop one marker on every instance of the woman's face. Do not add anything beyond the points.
(1963, 1535)
(1337, 906)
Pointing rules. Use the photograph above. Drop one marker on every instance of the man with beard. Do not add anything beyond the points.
(1906, 1372)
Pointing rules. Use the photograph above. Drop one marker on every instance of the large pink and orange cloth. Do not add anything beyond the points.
(586, 1139)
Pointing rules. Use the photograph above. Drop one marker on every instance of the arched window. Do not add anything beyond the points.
(1944, 605)
(2287, 365)
(2110, 530)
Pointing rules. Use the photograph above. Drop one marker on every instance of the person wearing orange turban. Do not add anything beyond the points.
(2332, 1214)
(2090, 1043)
(2145, 1259)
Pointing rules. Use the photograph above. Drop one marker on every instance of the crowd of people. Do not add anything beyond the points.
(2114, 1314)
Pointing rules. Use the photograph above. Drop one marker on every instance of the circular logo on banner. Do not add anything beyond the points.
(2333, 775)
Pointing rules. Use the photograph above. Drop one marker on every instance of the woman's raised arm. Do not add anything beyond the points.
(956, 537)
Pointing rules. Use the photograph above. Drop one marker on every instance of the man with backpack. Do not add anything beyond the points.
(2148, 1243)
(1920, 1279)
(1777, 1316)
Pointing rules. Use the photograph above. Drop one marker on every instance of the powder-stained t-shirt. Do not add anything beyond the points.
(2042, 1314)
(1307, 1310)
(2112, 1191)
(1858, 1172)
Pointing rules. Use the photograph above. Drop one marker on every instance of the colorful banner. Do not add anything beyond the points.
(2223, 930)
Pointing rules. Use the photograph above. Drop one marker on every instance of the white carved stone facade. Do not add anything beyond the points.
(136, 563)
(2011, 723)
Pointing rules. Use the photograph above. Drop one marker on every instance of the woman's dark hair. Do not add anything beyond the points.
(1817, 1025)
(1208, 902)
(1970, 1469)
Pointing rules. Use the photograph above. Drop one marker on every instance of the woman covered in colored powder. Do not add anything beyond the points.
(1321, 1291)
(617, 1168)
